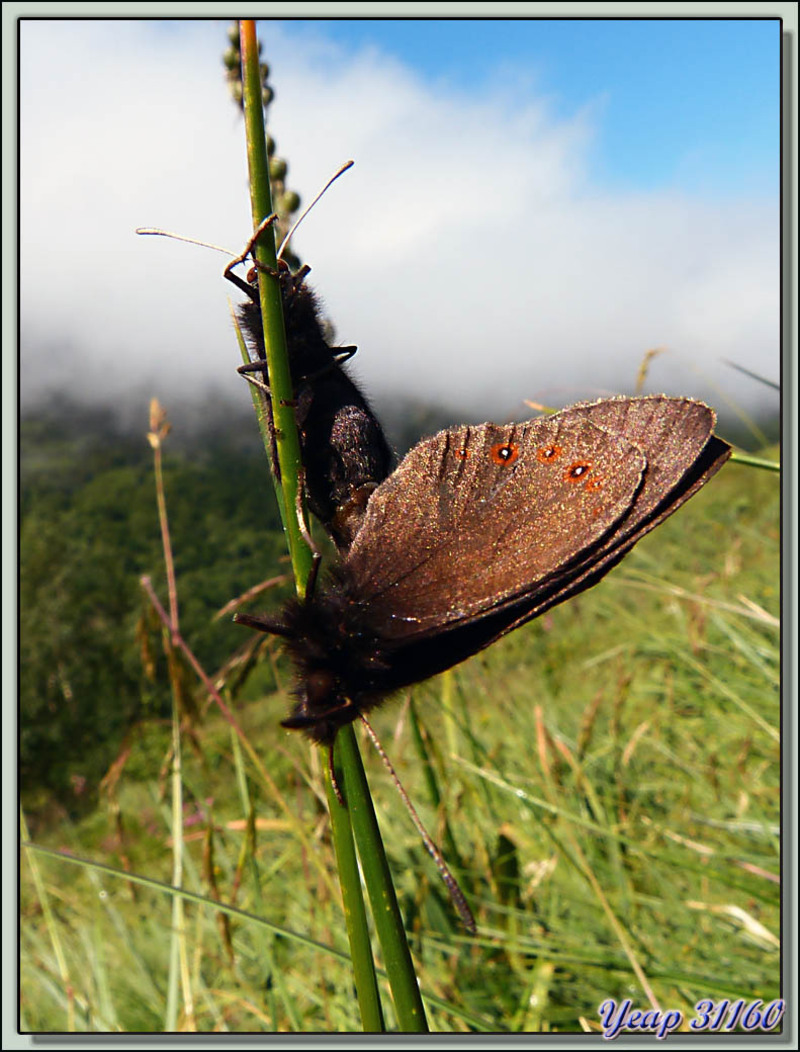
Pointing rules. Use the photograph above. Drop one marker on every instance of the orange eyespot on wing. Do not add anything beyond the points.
(548, 454)
(578, 471)
(504, 453)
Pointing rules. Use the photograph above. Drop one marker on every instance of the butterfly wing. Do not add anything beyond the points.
(673, 433)
(477, 516)
(483, 528)
(682, 455)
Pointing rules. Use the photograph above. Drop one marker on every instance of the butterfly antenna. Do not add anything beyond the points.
(156, 231)
(237, 259)
(333, 178)
(456, 894)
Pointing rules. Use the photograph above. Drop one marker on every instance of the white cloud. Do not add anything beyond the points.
(467, 254)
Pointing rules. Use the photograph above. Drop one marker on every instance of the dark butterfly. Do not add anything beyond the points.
(479, 530)
(344, 451)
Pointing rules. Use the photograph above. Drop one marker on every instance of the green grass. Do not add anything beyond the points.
(609, 779)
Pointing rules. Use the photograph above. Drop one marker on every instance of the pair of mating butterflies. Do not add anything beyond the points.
(477, 531)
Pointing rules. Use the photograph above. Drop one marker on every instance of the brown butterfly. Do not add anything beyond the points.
(479, 530)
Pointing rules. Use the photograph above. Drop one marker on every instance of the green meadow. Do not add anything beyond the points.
(605, 782)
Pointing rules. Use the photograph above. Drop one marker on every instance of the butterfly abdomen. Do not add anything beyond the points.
(338, 662)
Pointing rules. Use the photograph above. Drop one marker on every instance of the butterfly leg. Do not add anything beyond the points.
(342, 355)
(254, 367)
(240, 282)
(456, 894)
(260, 367)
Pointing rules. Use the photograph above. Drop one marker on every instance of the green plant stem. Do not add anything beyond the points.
(287, 440)
(289, 469)
(355, 915)
(385, 910)
(739, 457)
(263, 412)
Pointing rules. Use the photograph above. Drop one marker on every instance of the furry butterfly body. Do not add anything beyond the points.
(344, 451)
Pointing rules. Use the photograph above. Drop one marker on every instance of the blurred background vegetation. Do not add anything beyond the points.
(618, 757)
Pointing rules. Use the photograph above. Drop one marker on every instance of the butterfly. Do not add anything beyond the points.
(479, 530)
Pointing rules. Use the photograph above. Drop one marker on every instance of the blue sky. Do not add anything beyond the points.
(559, 197)
(685, 100)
